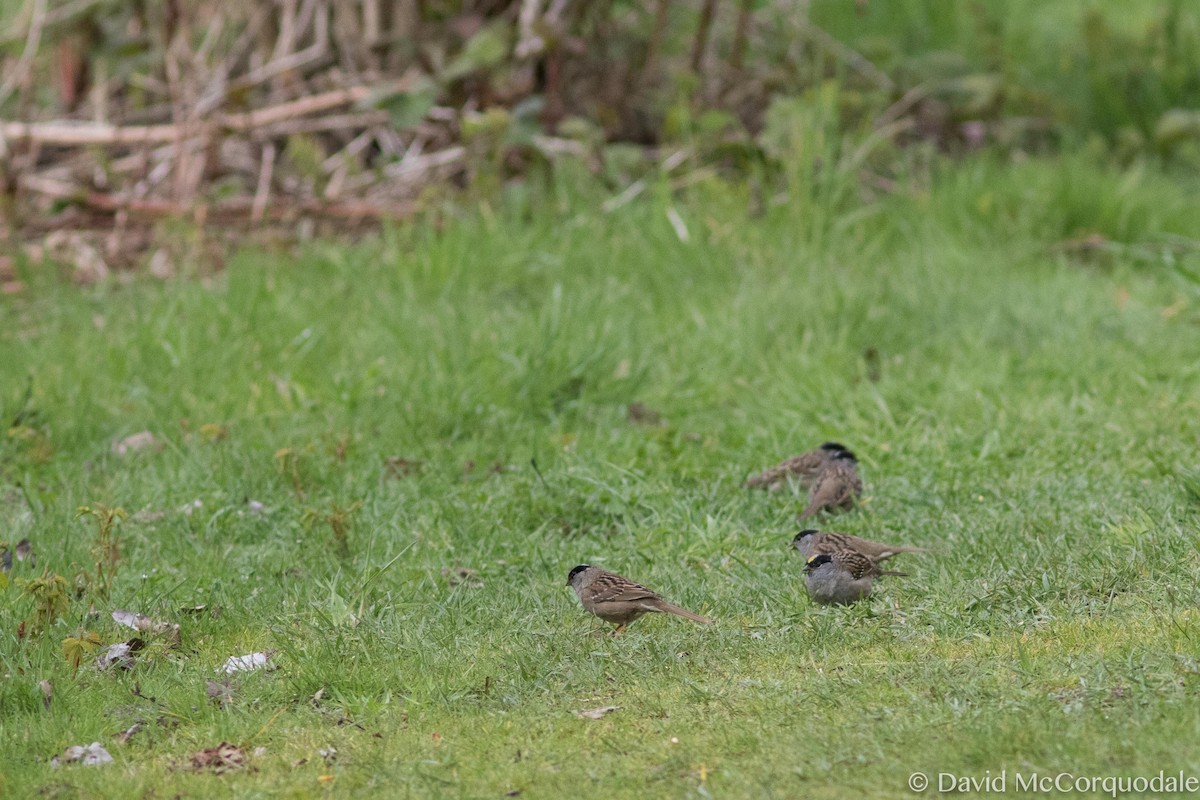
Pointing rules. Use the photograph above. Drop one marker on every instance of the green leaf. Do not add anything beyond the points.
(407, 102)
(408, 110)
(1175, 126)
(486, 49)
(76, 647)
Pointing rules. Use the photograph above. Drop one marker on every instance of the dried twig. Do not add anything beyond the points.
(661, 16)
(409, 168)
(313, 104)
(32, 39)
(707, 13)
(73, 134)
(263, 193)
(741, 34)
(530, 43)
(238, 209)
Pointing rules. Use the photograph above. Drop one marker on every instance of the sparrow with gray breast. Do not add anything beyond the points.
(813, 542)
(841, 578)
(804, 468)
(837, 485)
(619, 600)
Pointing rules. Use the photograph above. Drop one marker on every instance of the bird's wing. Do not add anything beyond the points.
(830, 542)
(614, 588)
(857, 564)
(827, 491)
(795, 464)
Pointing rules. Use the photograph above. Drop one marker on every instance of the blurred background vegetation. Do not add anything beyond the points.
(322, 115)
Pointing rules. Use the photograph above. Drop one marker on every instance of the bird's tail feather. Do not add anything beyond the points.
(682, 612)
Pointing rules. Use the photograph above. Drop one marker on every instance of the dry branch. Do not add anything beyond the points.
(74, 134)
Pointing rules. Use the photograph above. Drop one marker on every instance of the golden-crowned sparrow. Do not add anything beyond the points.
(803, 468)
(841, 578)
(812, 542)
(837, 485)
(619, 600)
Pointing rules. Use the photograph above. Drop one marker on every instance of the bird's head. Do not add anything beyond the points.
(574, 574)
(802, 535)
(817, 561)
(845, 455)
(833, 447)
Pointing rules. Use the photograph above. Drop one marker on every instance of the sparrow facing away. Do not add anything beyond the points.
(841, 578)
(803, 467)
(619, 600)
(812, 543)
(837, 485)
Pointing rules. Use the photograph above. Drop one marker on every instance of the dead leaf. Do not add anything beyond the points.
(597, 713)
(641, 414)
(219, 693)
(255, 507)
(143, 624)
(134, 443)
(90, 756)
(73, 248)
(259, 751)
(221, 758)
(160, 265)
(1173, 309)
(462, 575)
(124, 736)
(398, 467)
(120, 654)
(328, 753)
(251, 661)
(47, 693)
(213, 431)
(131, 619)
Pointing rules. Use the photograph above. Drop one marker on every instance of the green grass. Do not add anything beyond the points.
(1031, 414)
(1097, 70)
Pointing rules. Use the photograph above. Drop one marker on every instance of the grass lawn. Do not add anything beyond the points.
(1030, 409)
